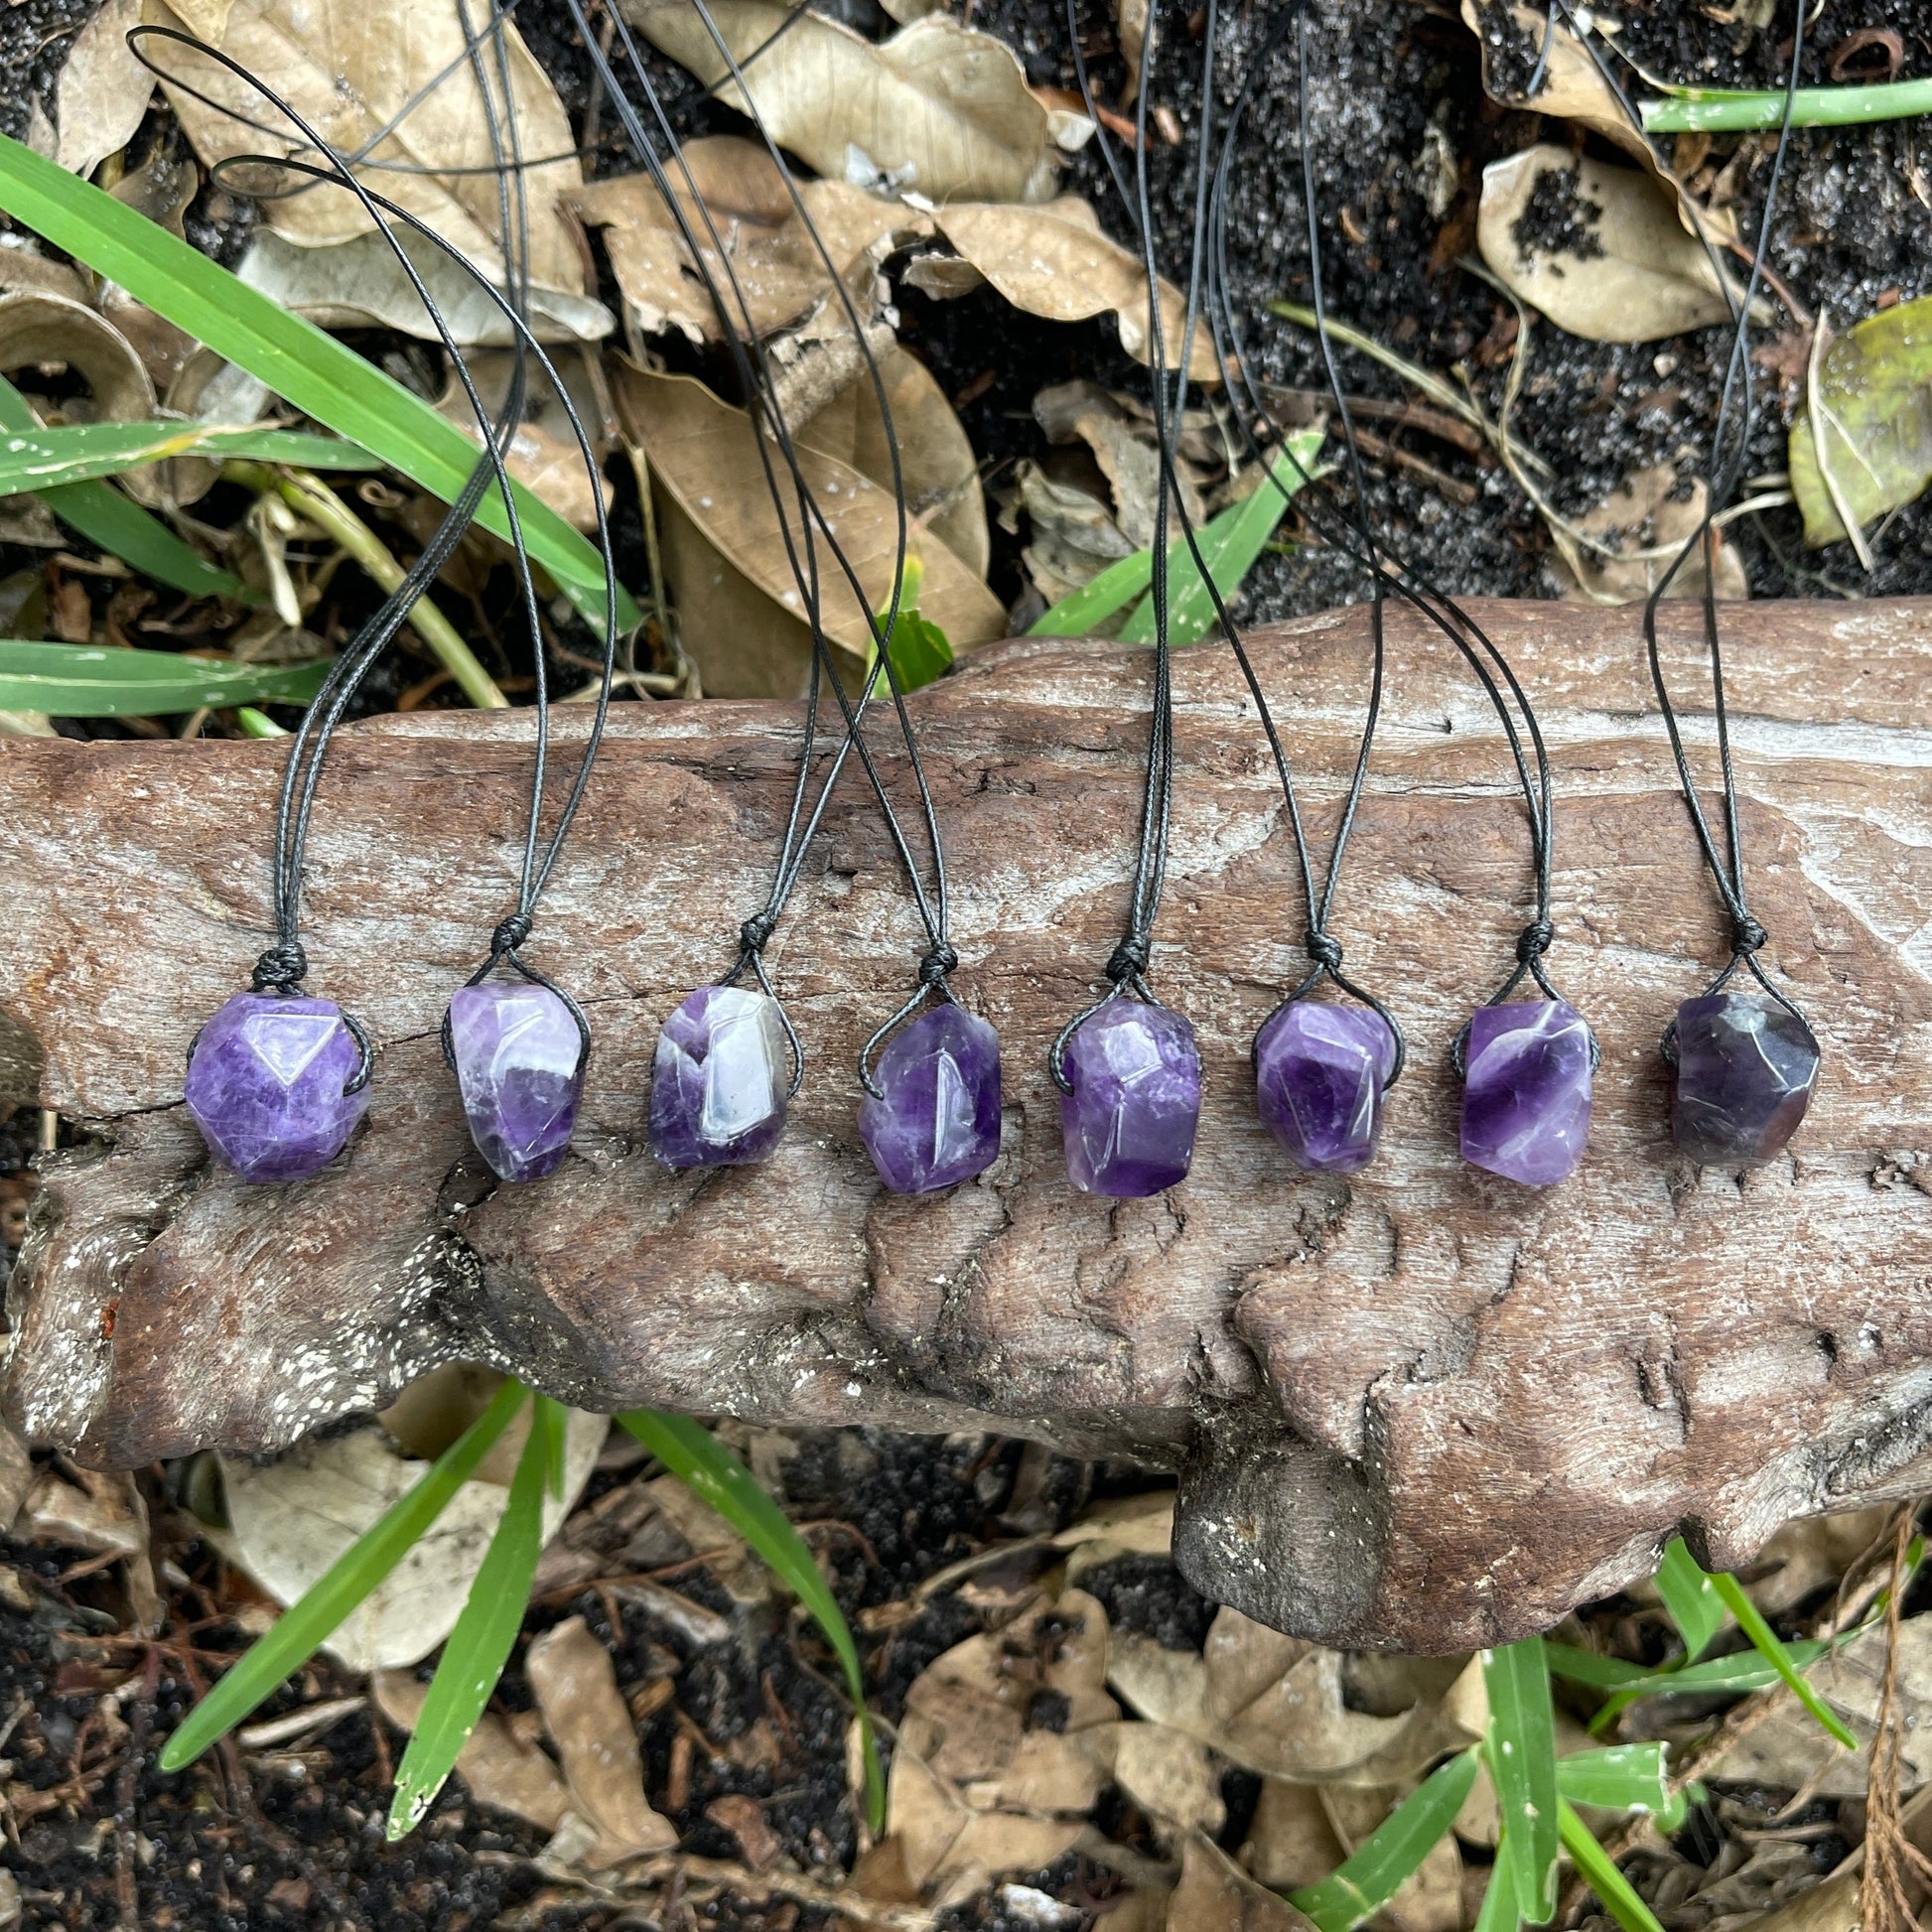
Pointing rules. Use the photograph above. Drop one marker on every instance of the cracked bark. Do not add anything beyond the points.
(1424, 1407)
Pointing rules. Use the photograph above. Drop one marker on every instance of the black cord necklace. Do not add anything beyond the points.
(718, 1094)
(277, 1080)
(1128, 1068)
(1526, 1066)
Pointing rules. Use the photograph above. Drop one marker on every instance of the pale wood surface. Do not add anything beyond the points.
(1425, 1408)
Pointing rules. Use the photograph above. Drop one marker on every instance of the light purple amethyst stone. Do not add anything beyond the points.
(1526, 1091)
(517, 1048)
(1128, 1123)
(1320, 1072)
(718, 1086)
(939, 1122)
(265, 1085)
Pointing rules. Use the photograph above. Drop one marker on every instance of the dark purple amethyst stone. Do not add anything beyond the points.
(1745, 1073)
(265, 1085)
(1526, 1092)
(939, 1122)
(517, 1048)
(718, 1086)
(1128, 1123)
(1320, 1072)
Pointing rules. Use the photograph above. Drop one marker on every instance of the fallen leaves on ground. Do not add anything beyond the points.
(103, 90)
(1644, 524)
(393, 87)
(1597, 249)
(939, 107)
(725, 551)
(1870, 413)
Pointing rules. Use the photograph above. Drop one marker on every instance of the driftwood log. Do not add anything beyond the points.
(1424, 1409)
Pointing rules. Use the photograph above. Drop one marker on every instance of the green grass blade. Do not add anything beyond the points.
(1621, 1777)
(1084, 613)
(254, 725)
(97, 681)
(1600, 1870)
(306, 1624)
(1723, 110)
(1498, 1911)
(1362, 1884)
(1751, 1620)
(1691, 1597)
(716, 1476)
(108, 521)
(44, 458)
(1229, 544)
(1599, 1673)
(480, 1646)
(297, 360)
(1521, 1749)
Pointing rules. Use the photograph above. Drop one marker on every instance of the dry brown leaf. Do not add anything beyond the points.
(740, 612)
(1646, 524)
(1173, 1777)
(952, 1851)
(397, 77)
(103, 90)
(745, 1819)
(542, 453)
(499, 1769)
(1277, 1706)
(1075, 536)
(576, 1688)
(42, 328)
(1054, 262)
(16, 1464)
(939, 107)
(1597, 249)
(100, 1512)
(1291, 1841)
(1216, 1895)
(1126, 1526)
(775, 265)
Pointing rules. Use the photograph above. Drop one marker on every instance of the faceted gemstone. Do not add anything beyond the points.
(1745, 1071)
(1320, 1072)
(265, 1085)
(1128, 1123)
(517, 1048)
(1526, 1092)
(939, 1122)
(718, 1084)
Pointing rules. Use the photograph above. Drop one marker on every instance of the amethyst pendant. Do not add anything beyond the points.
(1320, 1072)
(718, 1086)
(1745, 1072)
(266, 1084)
(517, 1050)
(1128, 1123)
(939, 1121)
(1526, 1090)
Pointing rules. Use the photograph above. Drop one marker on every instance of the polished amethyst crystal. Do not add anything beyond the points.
(939, 1121)
(718, 1084)
(1526, 1091)
(1745, 1071)
(1320, 1072)
(266, 1081)
(1128, 1123)
(517, 1048)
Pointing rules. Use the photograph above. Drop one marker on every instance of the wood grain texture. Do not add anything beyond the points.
(1425, 1408)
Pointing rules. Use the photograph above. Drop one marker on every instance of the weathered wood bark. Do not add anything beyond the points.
(1426, 1407)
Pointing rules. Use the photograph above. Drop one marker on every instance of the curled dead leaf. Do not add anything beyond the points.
(1643, 523)
(1216, 1895)
(772, 258)
(395, 87)
(939, 107)
(1597, 249)
(740, 612)
(1054, 261)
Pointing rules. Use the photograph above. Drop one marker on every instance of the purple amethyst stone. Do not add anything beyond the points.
(718, 1084)
(266, 1081)
(1745, 1073)
(1128, 1123)
(1320, 1072)
(1526, 1090)
(939, 1121)
(517, 1048)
